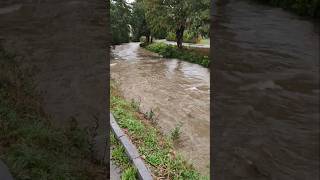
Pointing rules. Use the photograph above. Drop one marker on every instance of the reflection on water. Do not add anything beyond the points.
(266, 84)
(178, 91)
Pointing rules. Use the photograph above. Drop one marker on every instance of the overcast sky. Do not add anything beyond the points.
(130, 1)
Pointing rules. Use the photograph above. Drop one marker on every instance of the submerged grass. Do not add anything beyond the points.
(186, 54)
(155, 148)
(30, 146)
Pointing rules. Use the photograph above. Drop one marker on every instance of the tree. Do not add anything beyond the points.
(120, 14)
(175, 15)
(138, 22)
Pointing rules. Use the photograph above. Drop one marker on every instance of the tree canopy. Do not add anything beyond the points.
(159, 18)
(138, 21)
(177, 16)
(120, 15)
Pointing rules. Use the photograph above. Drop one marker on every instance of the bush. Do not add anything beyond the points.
(143, 39)
(188, 37)
(169, 51)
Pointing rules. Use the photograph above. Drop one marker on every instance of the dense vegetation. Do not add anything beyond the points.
(186, 54)
(301, 7)
(138, 22)
(160, 19)
(188, 37)
(120, 14)
(177, 16)
(30, 146)
(155, 148)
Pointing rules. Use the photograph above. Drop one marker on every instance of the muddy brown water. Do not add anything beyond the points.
(266, 84)
(177, 91)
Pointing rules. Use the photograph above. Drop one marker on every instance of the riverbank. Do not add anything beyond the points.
(178, 92)
(193, 55)
(155, 148)
(29, 145)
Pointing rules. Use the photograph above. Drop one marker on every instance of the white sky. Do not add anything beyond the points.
(130, 1)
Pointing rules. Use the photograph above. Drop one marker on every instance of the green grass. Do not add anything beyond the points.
(118, 155)
(30, 146)
(186, 54)
(156, 148)
(129, 174)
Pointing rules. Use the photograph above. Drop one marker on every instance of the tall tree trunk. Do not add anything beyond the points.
(179, 36)
(147, 38)
(151, 39)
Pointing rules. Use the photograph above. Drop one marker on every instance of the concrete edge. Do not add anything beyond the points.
(131, 150)
(4, 172)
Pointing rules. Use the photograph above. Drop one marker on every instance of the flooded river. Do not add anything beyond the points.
(266, 84)
(177, 91)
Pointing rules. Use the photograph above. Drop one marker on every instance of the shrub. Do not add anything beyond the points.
(188, 37)
(169, 51)
(175, 133)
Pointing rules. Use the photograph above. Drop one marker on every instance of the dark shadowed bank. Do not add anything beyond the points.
(65, 43)
(30, 145)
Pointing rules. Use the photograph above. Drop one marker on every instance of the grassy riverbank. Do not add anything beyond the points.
(302, 7)
(119, 156)
(155, 148)
(29, 145)
(187, 54)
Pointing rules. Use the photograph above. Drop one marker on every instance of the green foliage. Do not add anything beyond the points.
(119, 156)
(155, 148)
(169, 51)
(30, 146)
(188, 37)
(135, 104)
(178, 15)
(138, 21)
(301, 7)
(129, 174)
(175, 133)
(120, 20)
(151, 116)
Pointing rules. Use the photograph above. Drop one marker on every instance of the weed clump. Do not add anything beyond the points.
(176, 132)
(135, 104)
